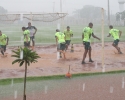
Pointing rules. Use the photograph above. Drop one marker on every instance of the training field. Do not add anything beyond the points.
(92, 87)
(45, 33)
(83, 86)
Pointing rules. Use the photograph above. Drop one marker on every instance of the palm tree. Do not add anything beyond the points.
(28, 57)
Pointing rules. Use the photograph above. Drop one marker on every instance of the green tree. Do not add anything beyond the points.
(28, 57)
(123, 15)
(89, 12)
(117, 16)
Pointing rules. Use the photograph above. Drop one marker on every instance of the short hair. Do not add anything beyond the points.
(111, 26)
(90, 24)
(23, 28)
(57, 30)
(68, 27)
(29, 22)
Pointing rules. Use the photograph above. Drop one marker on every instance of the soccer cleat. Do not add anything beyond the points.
(83, 62)
(91, 60)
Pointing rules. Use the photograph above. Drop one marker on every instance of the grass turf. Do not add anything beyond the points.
(45, 34)
(55, 77)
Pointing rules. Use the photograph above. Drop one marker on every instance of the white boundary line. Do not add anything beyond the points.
(15, 95)
(83, 88)
(123, 83)
(111, 89)
(46, 89)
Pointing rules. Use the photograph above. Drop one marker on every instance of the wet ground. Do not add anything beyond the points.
(97, 87)
(48, 64)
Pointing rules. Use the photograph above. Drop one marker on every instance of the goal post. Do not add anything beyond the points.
(13, 22)
(103, 61)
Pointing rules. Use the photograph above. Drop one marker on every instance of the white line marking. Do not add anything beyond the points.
(83, 88)
(46, 88)
(15, 95)
(111, 89)
(123, 85)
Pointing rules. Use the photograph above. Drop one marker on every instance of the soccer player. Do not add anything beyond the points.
(60, 37)
(57, 42)
(3, 43)
(57, 31)
(86, 35)
(33, 31)
(68, 34)
(26, 34)
(116, 35)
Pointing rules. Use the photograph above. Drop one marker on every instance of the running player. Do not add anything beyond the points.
(61, 42)
(116, 35)
(68, 34)
(86, 35)
(33, 31)
(57, 42)
(26, 34)
(3, 43)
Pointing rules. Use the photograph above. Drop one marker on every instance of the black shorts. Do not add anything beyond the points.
(27, 44)
(116, 42)
(62, 46)
(68, 42)
(32, 38)
(87, 45)
(3, 47)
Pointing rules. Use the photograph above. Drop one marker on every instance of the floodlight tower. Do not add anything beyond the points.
(121, 5)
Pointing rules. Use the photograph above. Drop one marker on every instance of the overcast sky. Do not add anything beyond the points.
(48, 5)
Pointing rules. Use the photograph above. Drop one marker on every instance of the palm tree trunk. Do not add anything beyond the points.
(24, 95)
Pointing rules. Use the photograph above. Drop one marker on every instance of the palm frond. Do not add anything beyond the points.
(16, 61)
(21, 63)
(29, 56)
(17, 56)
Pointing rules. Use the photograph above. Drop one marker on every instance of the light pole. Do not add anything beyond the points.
(108, 13)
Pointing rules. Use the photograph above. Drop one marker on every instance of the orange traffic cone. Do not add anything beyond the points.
(68, 75)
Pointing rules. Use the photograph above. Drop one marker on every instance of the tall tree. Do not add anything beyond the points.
(117, 16)
(89, 12)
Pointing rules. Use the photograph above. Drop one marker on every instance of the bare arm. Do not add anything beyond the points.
(95, 36)
(109, 35)
(35, 30)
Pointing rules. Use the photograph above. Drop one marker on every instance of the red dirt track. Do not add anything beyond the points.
(49, 65)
